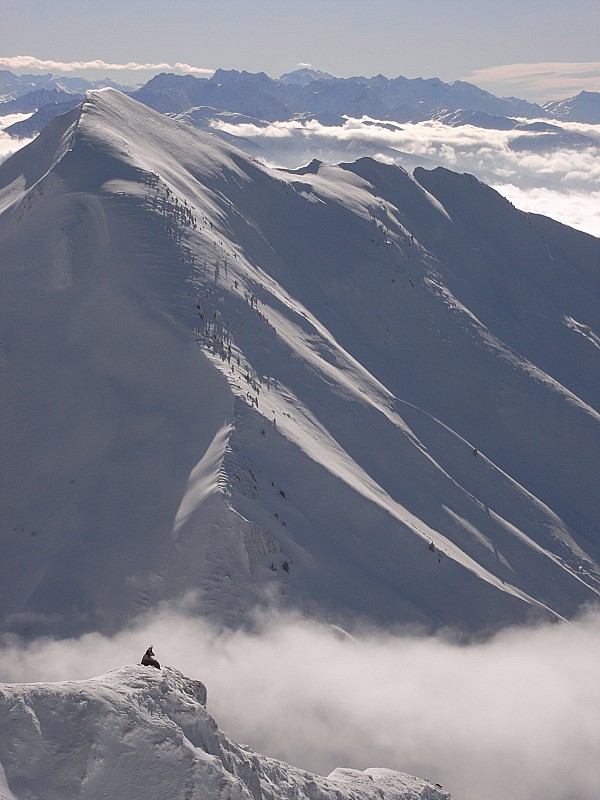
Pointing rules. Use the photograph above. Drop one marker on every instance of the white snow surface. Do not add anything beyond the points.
(347, 389)
(139, 732)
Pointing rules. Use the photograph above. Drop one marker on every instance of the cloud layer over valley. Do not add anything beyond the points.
(8, 144)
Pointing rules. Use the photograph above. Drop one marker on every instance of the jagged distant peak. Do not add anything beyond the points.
(235, 76)
(304, 75)
(583, 107)
(13, 86)
(168, 79)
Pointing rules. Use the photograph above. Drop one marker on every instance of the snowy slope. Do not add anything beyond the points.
(138, 732)
(343, 389)
(584, 107)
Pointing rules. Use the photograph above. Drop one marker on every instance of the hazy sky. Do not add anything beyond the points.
(548, 48)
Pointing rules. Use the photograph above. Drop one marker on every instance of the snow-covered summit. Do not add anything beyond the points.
(344, 389)
(138, 732)
(304, 75)
(583, 107)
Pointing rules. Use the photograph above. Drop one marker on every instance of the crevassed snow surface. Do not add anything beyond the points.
(138, 732)
(346, 390)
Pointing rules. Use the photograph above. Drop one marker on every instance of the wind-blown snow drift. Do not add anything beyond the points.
(138, 732)
(343, 389)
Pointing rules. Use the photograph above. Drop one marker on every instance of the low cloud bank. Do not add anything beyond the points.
(9, 145)
(516, 716)
(578, 209)
(555, 173)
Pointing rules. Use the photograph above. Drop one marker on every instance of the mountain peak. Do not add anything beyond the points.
(305, 75)
(583, 107)
(244, 381)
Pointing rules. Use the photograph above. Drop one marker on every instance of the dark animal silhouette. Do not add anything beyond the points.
(148, 659)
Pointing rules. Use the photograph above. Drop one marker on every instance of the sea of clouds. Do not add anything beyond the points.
(8, 144)
(516, 715)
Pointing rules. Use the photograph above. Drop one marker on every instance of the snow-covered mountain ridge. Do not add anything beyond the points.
(345, 389)
(583, 107)
(138, 732)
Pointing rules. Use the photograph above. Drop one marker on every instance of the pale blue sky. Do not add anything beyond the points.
(443, 38)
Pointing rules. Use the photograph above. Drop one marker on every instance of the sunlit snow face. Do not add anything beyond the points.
(540, 175)
(515, 716)
(559, 181)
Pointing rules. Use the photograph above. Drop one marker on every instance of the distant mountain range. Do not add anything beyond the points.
(301, 94)
(342, 389)
(13, 86)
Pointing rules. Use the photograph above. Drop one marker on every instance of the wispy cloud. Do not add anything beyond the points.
(542, 81)
(32, 63)
(515, 716)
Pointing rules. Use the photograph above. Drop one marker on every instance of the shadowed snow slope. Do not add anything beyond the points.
(346, 390)
(138, 732)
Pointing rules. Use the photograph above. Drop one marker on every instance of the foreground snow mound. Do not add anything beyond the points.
(138, 732)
